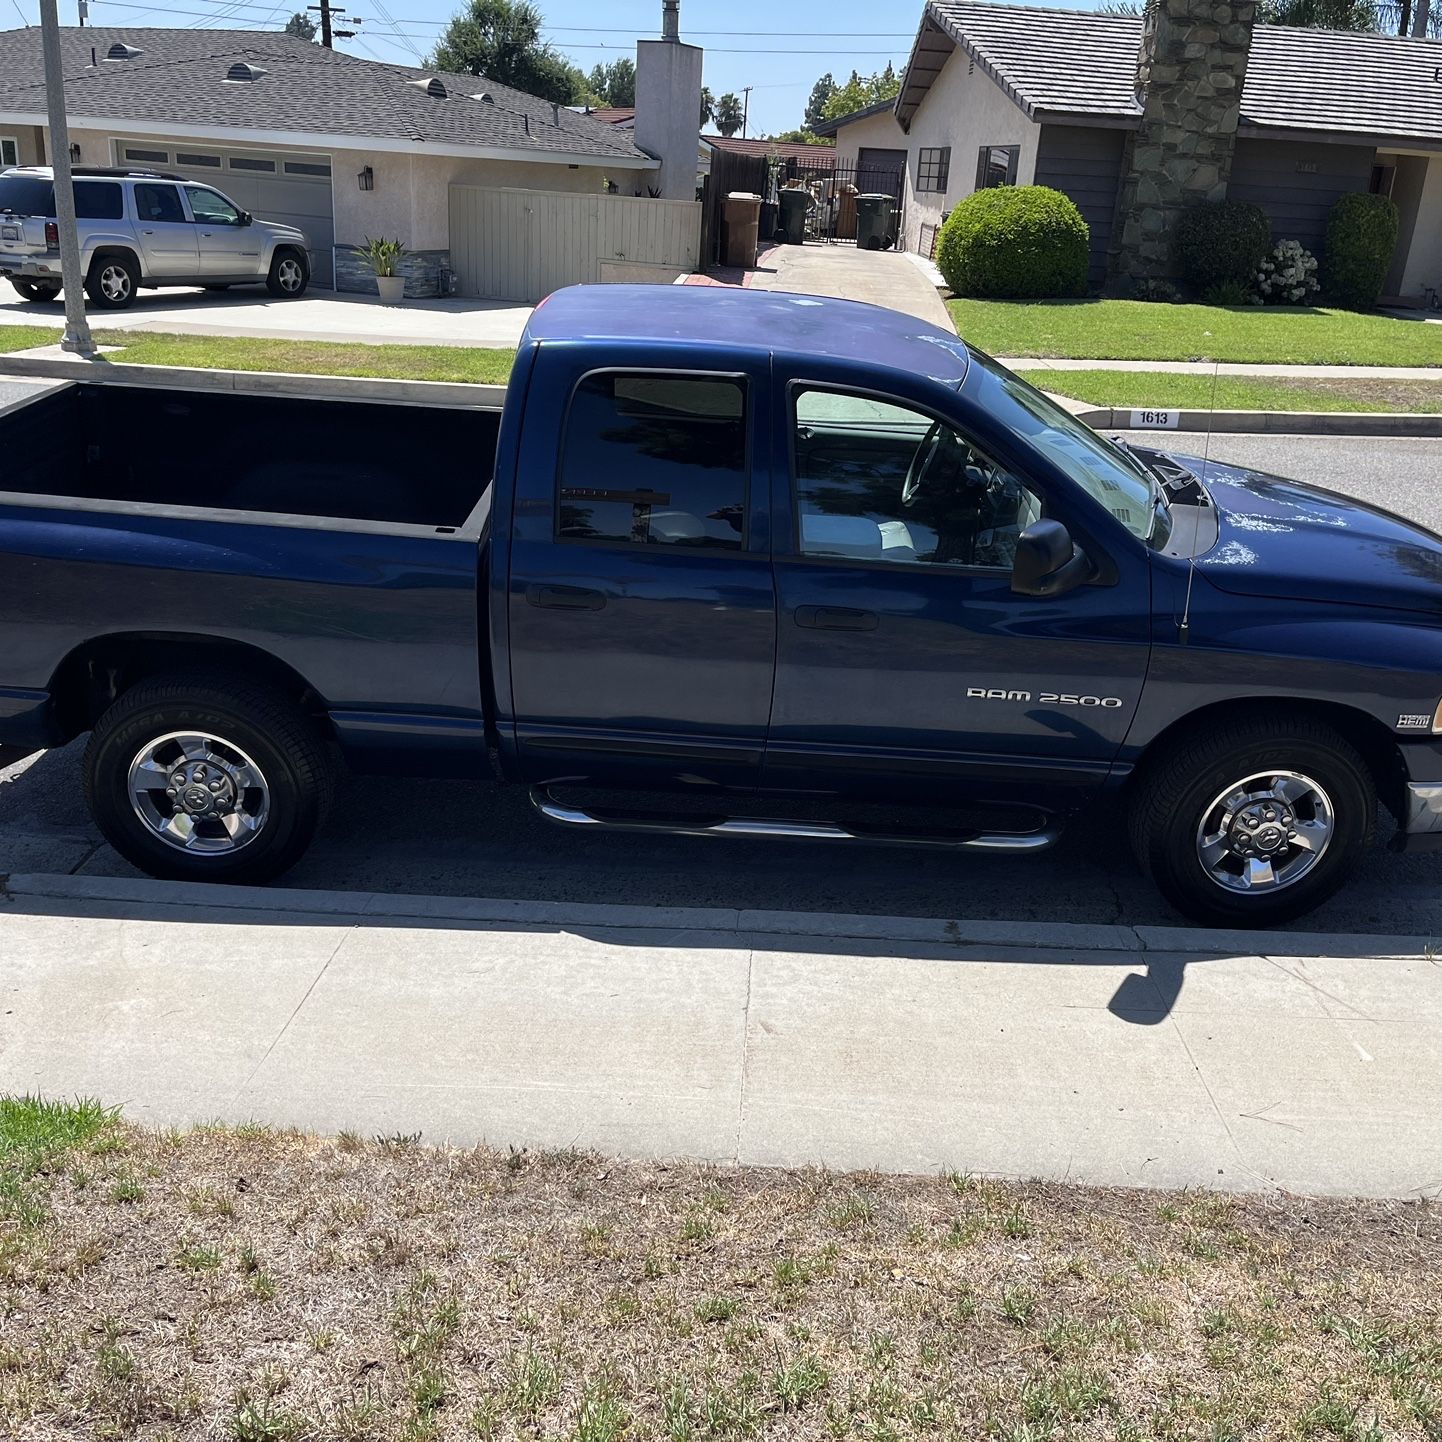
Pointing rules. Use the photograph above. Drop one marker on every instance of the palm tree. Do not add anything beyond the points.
(728, 115)
(708, 106)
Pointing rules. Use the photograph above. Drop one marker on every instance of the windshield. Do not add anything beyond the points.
(1111, 476)
(26, 195)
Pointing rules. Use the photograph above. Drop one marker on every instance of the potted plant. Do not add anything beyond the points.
(384, 258)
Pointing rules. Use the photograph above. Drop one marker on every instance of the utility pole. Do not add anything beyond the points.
(327, 35)
(746, 109)
(77, 338)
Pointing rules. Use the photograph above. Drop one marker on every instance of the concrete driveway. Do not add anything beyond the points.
(875, 276)
(320, 315)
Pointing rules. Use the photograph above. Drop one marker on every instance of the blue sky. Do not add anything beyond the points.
(779, 47)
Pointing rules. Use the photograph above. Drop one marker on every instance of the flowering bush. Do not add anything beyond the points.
(1289, 275)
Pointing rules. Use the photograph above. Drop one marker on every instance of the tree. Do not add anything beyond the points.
(1319, 14)
(614, 84)
(801, 137)
(708, 106)
(729, 115)
(821, 92)
(861, 91)
(501, 40)
(301, 26)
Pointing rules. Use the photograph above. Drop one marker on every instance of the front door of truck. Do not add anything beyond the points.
(641, 603)
(907, 669)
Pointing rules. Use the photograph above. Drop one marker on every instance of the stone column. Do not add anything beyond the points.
(1190, 71)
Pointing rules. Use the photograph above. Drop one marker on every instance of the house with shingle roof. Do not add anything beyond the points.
(1135, 117)
(342, 146)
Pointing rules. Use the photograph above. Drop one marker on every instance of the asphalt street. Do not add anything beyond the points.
(471, 839)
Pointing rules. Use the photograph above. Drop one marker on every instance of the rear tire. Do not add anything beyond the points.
(1212, 820)
(201, 778)
(113, 280)
(289, 274)
(35, 290)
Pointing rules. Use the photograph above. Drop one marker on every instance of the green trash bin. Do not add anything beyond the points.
(873, 222)
(794, 205)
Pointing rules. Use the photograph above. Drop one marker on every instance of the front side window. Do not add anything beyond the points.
(209, 207)
(878, 481)
(996, 165)
(655, 460)
(933, 169)
(158, 203)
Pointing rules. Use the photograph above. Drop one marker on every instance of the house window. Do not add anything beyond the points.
(996, 165)
(210, 162)
(9, 151)
(306, 167)
(933, 169)
(148, 157)
(244, 162)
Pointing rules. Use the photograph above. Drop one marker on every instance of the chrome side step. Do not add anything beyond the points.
(1002, 841)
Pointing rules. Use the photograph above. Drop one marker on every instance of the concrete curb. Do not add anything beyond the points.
(1292, 423)
(269, 383)
(363, 906)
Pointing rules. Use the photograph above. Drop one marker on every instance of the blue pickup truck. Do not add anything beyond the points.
(724, 563)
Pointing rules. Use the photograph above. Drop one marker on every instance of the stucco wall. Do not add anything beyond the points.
(1424, 259)
(879, 132)
(30, 141)
(668, 114)
(964, 109)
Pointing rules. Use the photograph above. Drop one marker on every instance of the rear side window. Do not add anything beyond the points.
(160, 203)
(26, 195)
(655, 460)
(98, 200)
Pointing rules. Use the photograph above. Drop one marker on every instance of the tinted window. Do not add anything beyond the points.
(306, 167)
(26, 195)
(135, 153)
(657, 460)
(210, 161)
(241, 162)
(98, 200)
(210, 207)
(160, 203)
(877, 481)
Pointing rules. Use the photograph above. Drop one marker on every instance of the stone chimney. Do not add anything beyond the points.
(668, 107)
(1190, 70)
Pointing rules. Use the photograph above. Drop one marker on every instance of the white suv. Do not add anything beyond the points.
(141, 228)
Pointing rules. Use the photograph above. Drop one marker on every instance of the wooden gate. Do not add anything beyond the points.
(520, 245)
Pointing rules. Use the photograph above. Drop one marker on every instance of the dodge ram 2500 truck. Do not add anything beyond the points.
(725, 562)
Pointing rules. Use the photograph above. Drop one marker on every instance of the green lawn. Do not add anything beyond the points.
(1136, 330)
(327, 358)
(26, 337)
(1163, 391)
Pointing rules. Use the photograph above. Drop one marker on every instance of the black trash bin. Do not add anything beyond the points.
(794, 205)
(873, 222)
(770, 219)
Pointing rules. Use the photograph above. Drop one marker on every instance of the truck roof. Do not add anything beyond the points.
(774, 322)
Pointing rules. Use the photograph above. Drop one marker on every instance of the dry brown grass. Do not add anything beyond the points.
(233, 1283)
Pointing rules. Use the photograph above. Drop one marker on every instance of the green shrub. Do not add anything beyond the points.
(1220, 241)
(1230, 292)
(1161, 292)
(1361, 237)
(1015, 242)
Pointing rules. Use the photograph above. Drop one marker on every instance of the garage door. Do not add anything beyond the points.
(271, 184)
(879, 172)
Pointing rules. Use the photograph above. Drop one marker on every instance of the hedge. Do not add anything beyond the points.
(1361, 239)
(1221, 241)
(1015, 242)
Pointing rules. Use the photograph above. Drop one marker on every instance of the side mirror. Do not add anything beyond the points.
(1047, 561)
(246, 217)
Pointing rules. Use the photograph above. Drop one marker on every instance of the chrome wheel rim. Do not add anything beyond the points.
(291, 275)
(115, 282)
(1266, 832)
(199, 793)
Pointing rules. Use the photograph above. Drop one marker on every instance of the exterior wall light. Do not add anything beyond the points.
(367, 178)
(75, 154)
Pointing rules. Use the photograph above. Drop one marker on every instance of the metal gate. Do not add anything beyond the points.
(520, 245)
(834, 187)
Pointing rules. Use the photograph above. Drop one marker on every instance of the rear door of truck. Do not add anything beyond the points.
(642, 610)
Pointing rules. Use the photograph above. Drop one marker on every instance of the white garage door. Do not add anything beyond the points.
(271, 184)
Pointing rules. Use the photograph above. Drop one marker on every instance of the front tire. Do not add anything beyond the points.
(205, 779)
(1255, 822)
(289, 274)
(35, 291)
(112, 281)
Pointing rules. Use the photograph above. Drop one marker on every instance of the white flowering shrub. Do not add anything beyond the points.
(1289, 275)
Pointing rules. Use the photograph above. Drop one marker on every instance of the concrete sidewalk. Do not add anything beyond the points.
(1227, 368)
(1146, 1056)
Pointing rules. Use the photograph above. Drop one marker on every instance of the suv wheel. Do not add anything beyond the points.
(289, 274)
(204, 778)
(35, 290)
(112, 281)
(1253, 823)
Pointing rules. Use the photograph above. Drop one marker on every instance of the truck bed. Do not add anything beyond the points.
(352, 460)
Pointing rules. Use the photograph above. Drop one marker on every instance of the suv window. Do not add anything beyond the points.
(209, 207)
(879, 481)
(655, 460)
(159, 203)
(98, 200)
